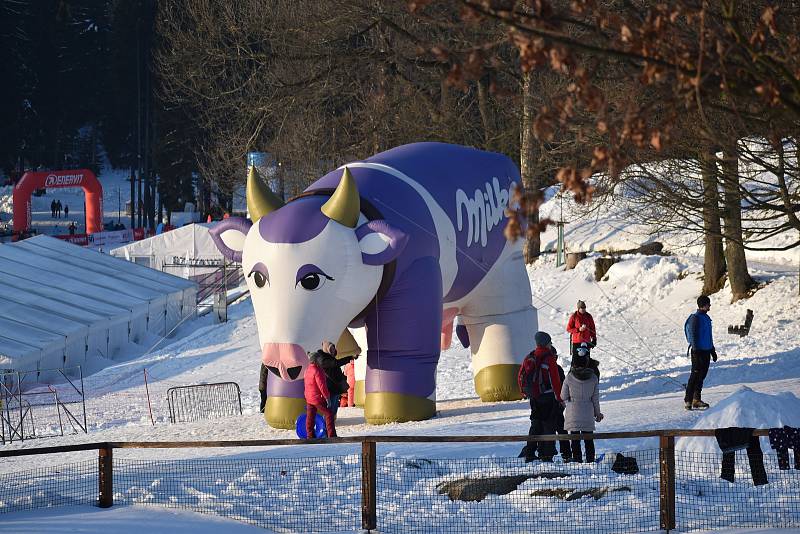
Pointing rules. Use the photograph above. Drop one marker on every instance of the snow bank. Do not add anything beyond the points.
(745, 408)
(120, 520)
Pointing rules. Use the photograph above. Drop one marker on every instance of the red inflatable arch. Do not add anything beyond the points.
(32, 181)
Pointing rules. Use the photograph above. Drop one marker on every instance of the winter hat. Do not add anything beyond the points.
(582, 351)
(581, 304)
(542, 339)
(329, 347)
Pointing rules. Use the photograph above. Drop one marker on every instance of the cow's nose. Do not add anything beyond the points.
(285, 360)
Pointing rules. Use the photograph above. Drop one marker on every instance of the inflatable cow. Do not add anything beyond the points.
(401, 243)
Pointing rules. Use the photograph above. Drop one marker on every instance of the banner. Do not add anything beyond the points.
(111, 238)
(75, 239)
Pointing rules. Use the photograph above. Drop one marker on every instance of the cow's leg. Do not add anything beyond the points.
(501, 323)
(403, 336)
(285, 401)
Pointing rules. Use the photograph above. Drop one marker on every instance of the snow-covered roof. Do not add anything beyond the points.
(60, 303)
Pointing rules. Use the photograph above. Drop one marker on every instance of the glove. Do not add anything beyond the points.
(598, 418)
(714, 355)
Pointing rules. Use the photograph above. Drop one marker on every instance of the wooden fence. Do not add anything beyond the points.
(105, 494)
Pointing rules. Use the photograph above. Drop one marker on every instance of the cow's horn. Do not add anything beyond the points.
(344, 205)
(260, 200)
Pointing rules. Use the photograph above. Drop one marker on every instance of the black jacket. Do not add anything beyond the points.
(336, 380)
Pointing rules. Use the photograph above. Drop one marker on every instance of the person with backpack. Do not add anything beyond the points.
(581, 394)
(539, 382)
(317, 396)
(697, 330)
(581, 328)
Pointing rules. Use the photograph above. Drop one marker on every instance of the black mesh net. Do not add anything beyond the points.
(44, 487)
(705, 500)
(508, 495)
(454, 495)
(312, 494)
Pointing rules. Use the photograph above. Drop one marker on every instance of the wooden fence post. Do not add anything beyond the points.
(106, 477)
(369, 515)
(667, 481)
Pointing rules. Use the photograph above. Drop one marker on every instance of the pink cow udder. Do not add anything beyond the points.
(286, 360)
(448, 314)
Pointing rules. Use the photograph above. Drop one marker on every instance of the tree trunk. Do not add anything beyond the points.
(714, 259)
(533, 242)
(739, 277)
(483, 108)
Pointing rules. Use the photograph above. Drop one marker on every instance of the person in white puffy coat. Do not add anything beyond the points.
(581, 395)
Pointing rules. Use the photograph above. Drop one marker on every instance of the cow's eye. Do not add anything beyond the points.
(311, 281)
(259, 278)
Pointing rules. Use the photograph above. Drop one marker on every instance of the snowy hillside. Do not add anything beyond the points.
(618, 223)
(639, 313)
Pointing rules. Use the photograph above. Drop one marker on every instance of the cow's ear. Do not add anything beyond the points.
(229, 235)
(380, 242)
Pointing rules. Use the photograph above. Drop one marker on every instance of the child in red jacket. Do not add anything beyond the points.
(317, 395)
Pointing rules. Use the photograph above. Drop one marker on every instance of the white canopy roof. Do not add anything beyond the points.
(61, 304)
(190, 241)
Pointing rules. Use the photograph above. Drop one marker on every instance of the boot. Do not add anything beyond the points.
(697, 404)
(687, 405)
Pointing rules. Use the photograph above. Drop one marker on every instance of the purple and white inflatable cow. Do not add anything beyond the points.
(401, 243)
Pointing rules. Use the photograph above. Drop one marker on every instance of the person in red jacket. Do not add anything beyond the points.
(581, 328)
(349, 398)
(317, 397)
(539, 381)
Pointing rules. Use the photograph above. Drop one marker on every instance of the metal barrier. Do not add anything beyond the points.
(17, 411)
(667, 490)
(203, 401)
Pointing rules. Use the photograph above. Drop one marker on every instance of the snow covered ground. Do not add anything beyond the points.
(639, 311)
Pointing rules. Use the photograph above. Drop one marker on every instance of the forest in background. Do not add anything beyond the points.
(692, 106)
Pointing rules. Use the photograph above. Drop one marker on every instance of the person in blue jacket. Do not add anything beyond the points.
(701, 344)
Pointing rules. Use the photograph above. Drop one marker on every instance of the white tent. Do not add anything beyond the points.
(62, 305)
(167, 251)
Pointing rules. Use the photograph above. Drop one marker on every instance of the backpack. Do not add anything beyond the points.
(687, 328)
(536, 376)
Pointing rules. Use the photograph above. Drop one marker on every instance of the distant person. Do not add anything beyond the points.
(53, 209)
(72, 228)
(697, 329)
(66, 211)
(581, 394)
(539, 382)
(317, 396)
(262, 387)
(350, 373)
(58, 209)
(581, 328)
